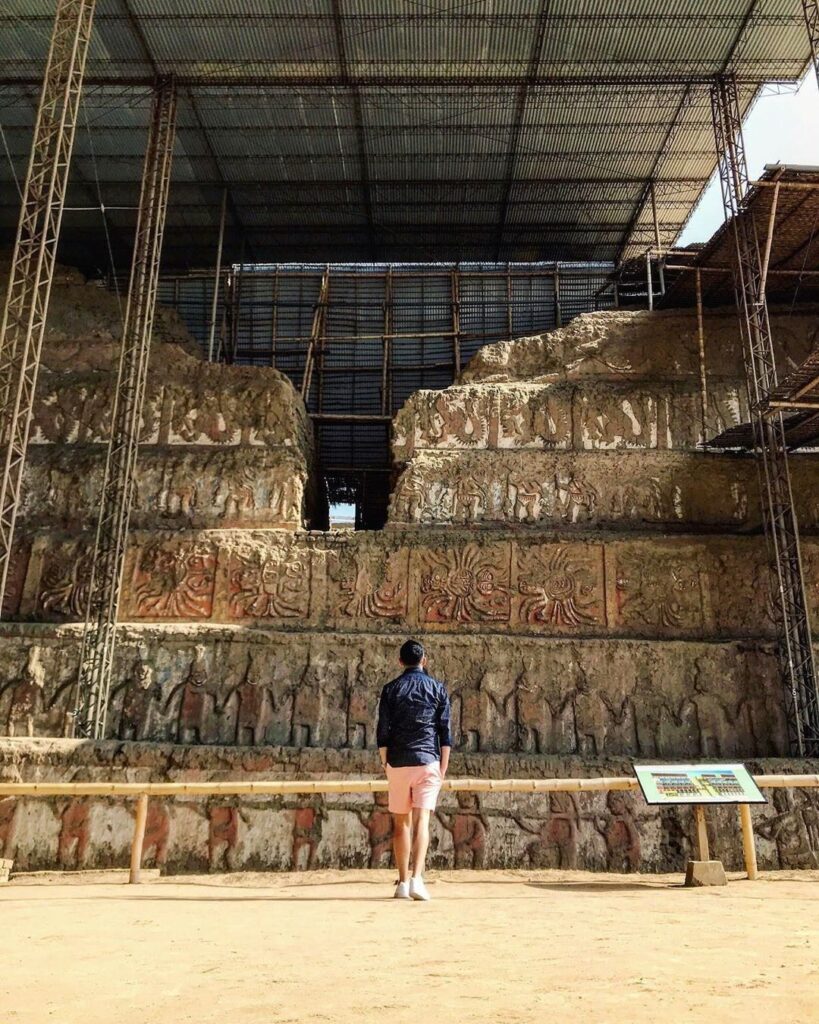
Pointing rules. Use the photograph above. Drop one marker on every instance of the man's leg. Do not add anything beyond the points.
(401, 844)
(420, 839)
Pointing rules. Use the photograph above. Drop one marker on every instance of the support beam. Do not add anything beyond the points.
(810, 9)
(99, 634)
(35, 252)
(779, 516)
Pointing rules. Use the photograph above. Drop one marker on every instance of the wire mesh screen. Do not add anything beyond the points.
(358, 340)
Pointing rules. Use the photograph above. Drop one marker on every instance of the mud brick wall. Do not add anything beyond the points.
(608, 832)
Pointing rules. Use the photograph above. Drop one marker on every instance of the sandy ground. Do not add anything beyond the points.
(333, 947)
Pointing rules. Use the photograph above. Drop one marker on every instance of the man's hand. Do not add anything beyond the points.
(445, 752)
(382, 753)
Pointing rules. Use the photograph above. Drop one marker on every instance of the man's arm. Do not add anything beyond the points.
(444, 735)
(383, 730)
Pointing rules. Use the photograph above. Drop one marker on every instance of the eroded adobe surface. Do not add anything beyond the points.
(589, 582)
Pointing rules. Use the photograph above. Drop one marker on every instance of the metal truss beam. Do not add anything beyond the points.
(35, 251)
(810, 9)
(99, 634)
(589, 79)
(779, 516)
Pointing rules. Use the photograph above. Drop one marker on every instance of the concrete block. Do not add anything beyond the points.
(705, 872)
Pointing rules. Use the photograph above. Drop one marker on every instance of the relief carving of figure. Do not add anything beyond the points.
(224, 818)
(141, 697)
(467, 584)
(378, 823)
(556, 843)
(576, 499)
(178, 492)
(28, 700)
(287, 497)
(175, 582)
(206, 411)
(235, 494)
(620, 834)
(307, 829)
(469, 828)
(469, 500)
(75, 832)
(254, 703)
(195, 701)
(556, 590)
(525, 500)
(268, 585)
(793, 829)
(8, 829)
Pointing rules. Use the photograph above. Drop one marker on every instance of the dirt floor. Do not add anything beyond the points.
(494, 946)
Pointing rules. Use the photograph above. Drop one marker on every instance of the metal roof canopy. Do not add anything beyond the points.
(393, 130)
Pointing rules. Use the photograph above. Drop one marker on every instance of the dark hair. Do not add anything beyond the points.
(411, 653)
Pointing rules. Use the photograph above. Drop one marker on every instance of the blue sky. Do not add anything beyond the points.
(782, 129)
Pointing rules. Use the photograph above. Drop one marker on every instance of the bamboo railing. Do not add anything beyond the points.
(142, 791)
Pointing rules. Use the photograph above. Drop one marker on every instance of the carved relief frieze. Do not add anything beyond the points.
(660, 589)
(266, 582)
(468, 583)
(559, 587)
(367, 583)
(173, 580)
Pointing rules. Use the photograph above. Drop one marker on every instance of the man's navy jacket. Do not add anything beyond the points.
(413, 719)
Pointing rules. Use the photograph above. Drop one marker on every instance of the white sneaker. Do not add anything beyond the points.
(417, 889)
(402, 891)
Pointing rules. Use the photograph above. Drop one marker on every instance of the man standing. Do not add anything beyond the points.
(414, 744)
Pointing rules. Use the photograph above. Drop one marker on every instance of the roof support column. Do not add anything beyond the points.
(779, 515)
(99, 634)
(810, 9)
(35, 251)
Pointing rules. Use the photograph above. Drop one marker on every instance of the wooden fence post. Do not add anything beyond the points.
(748, 844)
(139, 838)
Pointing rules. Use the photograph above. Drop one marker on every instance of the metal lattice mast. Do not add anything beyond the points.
(810, 9)
(35, 250)
(99, 635)
(779, 516)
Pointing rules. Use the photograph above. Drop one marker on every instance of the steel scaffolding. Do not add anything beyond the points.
(35, 250)
(779, 516)
(99, 634)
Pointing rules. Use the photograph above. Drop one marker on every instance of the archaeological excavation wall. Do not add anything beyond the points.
(591, 584)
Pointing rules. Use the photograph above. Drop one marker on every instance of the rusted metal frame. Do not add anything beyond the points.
(701, 349)
(217, 277)
(386, 350)
(779, 516)
(455, 302)
(105, 586)
(343, 417)
(810, 9)
(35, 250)
(315, 334)
(772, 271)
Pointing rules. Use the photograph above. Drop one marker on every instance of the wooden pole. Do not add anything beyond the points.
(702, 833)
(216, 278)
(649, 283)
(270, 787)
(748, 844)
(139, 839)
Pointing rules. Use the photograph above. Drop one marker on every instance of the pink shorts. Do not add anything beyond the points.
(415, 786)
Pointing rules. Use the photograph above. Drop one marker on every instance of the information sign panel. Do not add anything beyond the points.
(697, 784)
